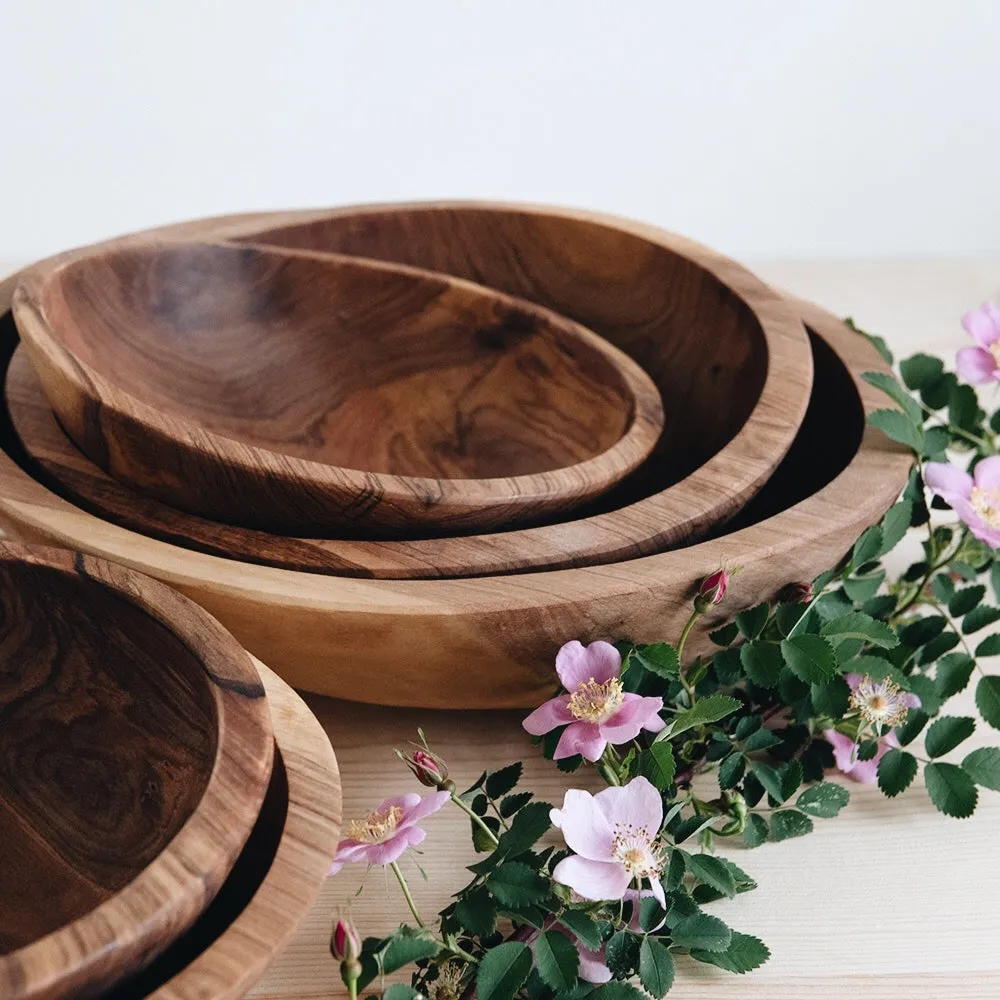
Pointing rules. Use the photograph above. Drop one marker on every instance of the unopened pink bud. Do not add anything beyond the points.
(712, 590)
(428, 768)
(345, 943)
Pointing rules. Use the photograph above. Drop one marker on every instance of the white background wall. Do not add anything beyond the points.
(763, 127)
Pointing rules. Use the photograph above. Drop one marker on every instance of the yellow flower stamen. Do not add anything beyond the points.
(641, 855)
(593, 702)
(994, 349)
(879, 703)
(376, 826)
(986, 503)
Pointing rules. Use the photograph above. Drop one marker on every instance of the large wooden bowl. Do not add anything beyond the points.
(729, 358)
(135, 749)
(275, 881)
(298, 392)
(490, 642)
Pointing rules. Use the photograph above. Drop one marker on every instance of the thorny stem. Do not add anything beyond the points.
(401, 879)
(478, 820)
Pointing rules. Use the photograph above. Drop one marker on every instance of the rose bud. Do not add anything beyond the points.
(428, 768)
(345, 943)
(712, 590)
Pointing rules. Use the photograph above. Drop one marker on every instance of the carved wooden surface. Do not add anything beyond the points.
(135, 748)
(298, 392)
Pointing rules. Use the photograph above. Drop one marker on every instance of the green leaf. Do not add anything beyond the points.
(888, 384)
(714, 872)
(725, 635)
(617, 990)
(770, 778)
(988, 699)
(752, 621)
(726, 663)
(943, 588)
(858, 625)
(979, 618)
(950, 789)
(916, 719)
(921, 370)
(868, 546)
(583, 926)
(400, 991)
(762, 739)
(622, 953)
(983, 766)
(511, 803)
(953, 673)
(899, 427)
(477, 913)
(657, 764)
(965, 600)
(876, 341)
(701, 931)
(703, 711)
(788, 823)
(946, 733)
(404, 947)
(480, 840)
(762, 662)
(517, 884)
(503, 971)
(995, 572)
(990, 646)
(675, 870)
(824, 800)
(867, 749)
(528, 825)
(831, 699)
(896, 771)
(731, 771)
(963, 407)
(656, 968)
(863, 588)
(810, 658)
(660, 659)
(499, 783)
(923, 630)
(744, 954)
(936, 394)
(557, 960)
(756, 832)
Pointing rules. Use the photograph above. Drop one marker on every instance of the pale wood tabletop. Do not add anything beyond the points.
(890, 899)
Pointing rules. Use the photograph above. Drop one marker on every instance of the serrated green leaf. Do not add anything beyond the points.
(862, 588)
(824, 800)
(950, 789)
(701, 931)
(965, 600)
(963, 406)
(936, 442)
(943, 587)
(586, 930)
(657, 765)
(725, 635)
(744, 954)
(935, 394)
(557, 960)
(916, 719)
(983, 767)
(762, 739)
(756, 832)
(405, 946)
(920, 370)
(751, 621)
(878, 669)
(858, 625)
(867, 750)
(923, 630)
(946, 733)
(659, 659)
(990, 646)
(831, 699)
(868, 545)
(979, 618)
(516, 884)
(896, 771)
(995, 572)
(770, 778)
(888, 384)
(656, 968)
(762, 662)
(621, 954)
(874, 339)
(714, 872)
(476, 912)
(528, 825)
(499, 783)
(617, 990)
(791, 778)
(810, 657)
(789, 823)
(511, 803)
(953, 673)
(503, 971)
(705, 710)
(726, 663)
(988, 699)
(731, 771)
(898, 427)
(938, 646)
(400, 991)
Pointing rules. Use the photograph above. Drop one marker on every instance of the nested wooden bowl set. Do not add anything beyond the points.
(399, 454)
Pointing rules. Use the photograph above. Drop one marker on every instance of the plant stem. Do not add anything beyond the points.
(685, 632)
(401, 879)
(606, 767)
(478, 820)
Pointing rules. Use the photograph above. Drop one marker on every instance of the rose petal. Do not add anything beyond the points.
(987, 473)
(947, 481)
(393, 849)
(592, 967)
(582, 738)
(637, 805)
(975, 365)
(969, 514)
(584, 826)
(548, 716)
(658, 893)
(428, 804)
(631, 718)
(576, 664)
(983, 324)
(593, 880)
(404, 802)
(853, 680)
(844, 749)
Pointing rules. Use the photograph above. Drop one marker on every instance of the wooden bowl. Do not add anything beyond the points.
(276, 879)
(490, 642)
(307, 393)
(136, 747)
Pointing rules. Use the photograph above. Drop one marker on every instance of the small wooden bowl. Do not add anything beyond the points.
(276, 879)
(491, 642)
(307, 393)
(136, 747)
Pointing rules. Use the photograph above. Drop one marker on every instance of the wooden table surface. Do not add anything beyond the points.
(890, 899)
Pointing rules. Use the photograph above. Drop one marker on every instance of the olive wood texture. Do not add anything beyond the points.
(731, 363)
(275, 880)
(136, 748)
(490, 642)
(297, 392)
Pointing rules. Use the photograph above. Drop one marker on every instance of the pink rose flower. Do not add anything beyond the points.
(982, 363)
(975, 498)
(615, 839)
(595, 709)
(387, 831)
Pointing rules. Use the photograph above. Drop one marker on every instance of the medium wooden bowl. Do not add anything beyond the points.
(308, 393)
(490, 642)
(275, 881)
(135, 749)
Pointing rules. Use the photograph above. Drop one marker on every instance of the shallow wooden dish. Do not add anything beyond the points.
(729, 358)
(297, 392)
(136, 748)
(490, 642)
(275, 880)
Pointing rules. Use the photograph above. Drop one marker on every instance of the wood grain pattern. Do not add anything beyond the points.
(489, 642)
(298, 392)
(275, 881)
(135, 747)
(668, 303)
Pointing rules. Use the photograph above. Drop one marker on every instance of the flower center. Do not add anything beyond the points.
(593, 702)
(375, 827)
(994, 349)
(641, 855)
(986, 503)
(880, 703)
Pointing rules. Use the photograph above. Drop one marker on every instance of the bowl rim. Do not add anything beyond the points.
(557, 485)
(673, 514)
(173, 889)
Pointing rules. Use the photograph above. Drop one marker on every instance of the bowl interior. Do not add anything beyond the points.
(363, 366)
(108, 736)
